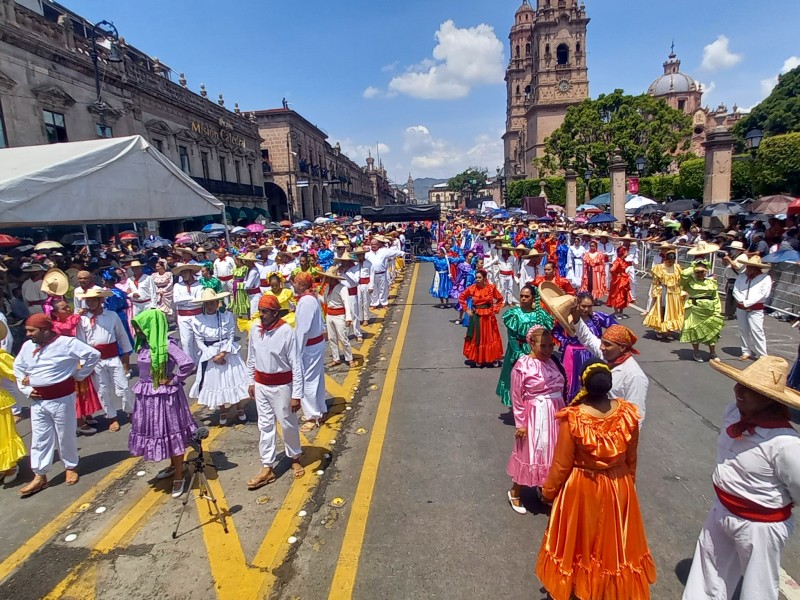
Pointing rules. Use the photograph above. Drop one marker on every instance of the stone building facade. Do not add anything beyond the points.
(684, 93)
(440, 194)
(547, 73)
(47, 95)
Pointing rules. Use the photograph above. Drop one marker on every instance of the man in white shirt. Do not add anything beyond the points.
(338, 316)
(379, 256)
(363, 314)
(141, 288)
(310, 332)
(103, 330)
(751, 290)
(223, 270)
(346, 266)
(528, 268)
(275, 367)
(85, 283)
(32, 288)
(607, 248)
(184, 292)
(505, 276)
(252, 281)
(733, 266)
(46, 369)
(756, 481)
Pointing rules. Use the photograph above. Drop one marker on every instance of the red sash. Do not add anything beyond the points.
(193, 312)
(57, 390)
(225, 277)
(353, 291)
(107, 350)
(747, 509)
(273, 378)
(506, 273)
(759, 306)
(253, 291)
(315, 340)
(336, 312)
(363, 281)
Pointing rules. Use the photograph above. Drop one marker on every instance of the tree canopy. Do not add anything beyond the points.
(640, 126)
(474, 178)
(779, 112)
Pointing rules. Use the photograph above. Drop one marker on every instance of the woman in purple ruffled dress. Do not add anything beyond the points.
(162, 424)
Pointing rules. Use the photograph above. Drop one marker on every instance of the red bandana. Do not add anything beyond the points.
(272, 327)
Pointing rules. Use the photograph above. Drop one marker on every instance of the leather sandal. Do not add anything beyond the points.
(297, 470)
(261, 480)
(72, 477)
(37, 485)
(114, 426)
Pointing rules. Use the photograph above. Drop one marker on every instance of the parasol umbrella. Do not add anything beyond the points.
(648, 209)
(782, 256)
(8, 241)
(195, 237)
(580, 219)
(771, 205)
(48, 245)
(794, 207)
(157, 242)
(23, 249)
(545, 219)
(255, 228)
(71, 237)
(681, 205)
(301, 225)
(638, 202)
(211, 227)
(272, 226)
(239, 230)
(555, 207)
(82, 242)
(592, 210)
(322, 220)
(604, 218)
(720, 209)
(285, 223)
(128, 235)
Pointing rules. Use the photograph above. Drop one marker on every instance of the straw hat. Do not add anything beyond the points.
(207, 295)
(667, 247)
(95, 293)
(736, 245)
(560, 304)
(702, 248)
(533, 254)
(767, 376)
(522, 248)
(332, 273)
(345, 257)
(359, 250)
(182, 250)
(341, 244)
(752, 261)
(185, 267)
(624, 238)
(55, 283)
(249, 257)
(293, 249)
(134, 262)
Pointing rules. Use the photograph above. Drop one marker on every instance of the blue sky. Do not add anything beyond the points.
(423, 78)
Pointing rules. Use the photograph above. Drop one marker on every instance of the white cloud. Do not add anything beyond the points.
(359, 152)
(371, 92)
(767, 85)
(462, 59)
(390, 67)
(718, 55)
(430, 156)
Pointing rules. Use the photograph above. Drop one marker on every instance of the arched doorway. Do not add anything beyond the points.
(308, 207)
(317, 202)
(276, 203)
(326, 201)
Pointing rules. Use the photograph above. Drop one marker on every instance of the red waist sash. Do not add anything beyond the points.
(107, 350)
(225, 277)
(315, 340)
(747, 509)
(363, 281)
(273, 378)
(192, 312)
(57, 390)
(759, 306)
(264, 283)
(506, 272)
(253, 291)
(353, 291)
(336, 312)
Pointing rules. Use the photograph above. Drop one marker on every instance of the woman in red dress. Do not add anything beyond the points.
(483, 344)
(594, 273)
(551, 274)
(619, 296)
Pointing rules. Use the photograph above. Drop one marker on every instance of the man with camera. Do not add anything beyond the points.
(732, 255)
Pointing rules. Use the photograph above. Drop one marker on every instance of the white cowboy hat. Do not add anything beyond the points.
(560, 304)
(702, 248)
(754, 261)
(186, 267)
(95, 293)
(207, 295)
(332, 273)
(55, 283)
(766, 376)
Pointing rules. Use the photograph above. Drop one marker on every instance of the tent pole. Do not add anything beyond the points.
(85, 237)
(225, 223)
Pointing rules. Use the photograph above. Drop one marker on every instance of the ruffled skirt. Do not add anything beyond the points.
(485, 346)
(220, 385)
(595, 545)
(532, 455)
(703, 322)
(441, 285)
(161, 425)
(87, 402)
(12, 448)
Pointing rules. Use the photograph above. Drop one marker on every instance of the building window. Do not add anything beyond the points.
(238, 168)
(527, 49)
(3, 138)
(682, 104)
(183, 151)
(562, 54)
(250, 173)
(204, 162)
(159, 145)
(104, 131)
(222, 174)
(56, 129)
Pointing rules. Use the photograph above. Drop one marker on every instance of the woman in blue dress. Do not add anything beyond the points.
(442, 283)
(561, 253)
(118, 302)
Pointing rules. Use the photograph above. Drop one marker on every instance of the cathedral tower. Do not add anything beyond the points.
(547, 73)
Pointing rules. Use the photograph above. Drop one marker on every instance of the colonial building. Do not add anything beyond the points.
(547, 73)
(684, 93)
(47, 95)
(440, 194)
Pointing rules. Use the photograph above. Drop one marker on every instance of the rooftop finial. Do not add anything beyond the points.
(672, 49)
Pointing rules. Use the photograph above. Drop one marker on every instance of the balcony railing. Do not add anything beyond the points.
(229, 188)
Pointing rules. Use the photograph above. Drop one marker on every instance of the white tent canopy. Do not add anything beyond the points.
(116, 180)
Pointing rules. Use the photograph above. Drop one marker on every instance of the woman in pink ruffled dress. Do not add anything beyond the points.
(538, 385)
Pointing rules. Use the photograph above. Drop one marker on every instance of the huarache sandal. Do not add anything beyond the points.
(37, 485)
(72, 477)
(9, 476)
(297, 470)
(261, 480)
(309, 425)
(114, 426)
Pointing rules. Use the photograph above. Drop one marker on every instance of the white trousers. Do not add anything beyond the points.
(313, 401)
(53, 422)
(506, 288)
(731, 548)
(273, 403)
(112, 386)
(363, 314)
(337, 334)
(751, 332)
(187, 337)
(355, 328)
(632, 274)
(139, 306)
(380, 290)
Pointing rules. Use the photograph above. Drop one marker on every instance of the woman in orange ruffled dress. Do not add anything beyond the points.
(594, 273)
(619, 294)
(595, 545)
(482, 344)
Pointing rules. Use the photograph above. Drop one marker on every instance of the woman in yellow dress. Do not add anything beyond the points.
(11, 446)
(284, 295)
(666, 311)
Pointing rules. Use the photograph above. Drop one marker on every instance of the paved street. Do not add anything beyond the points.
(419, 464)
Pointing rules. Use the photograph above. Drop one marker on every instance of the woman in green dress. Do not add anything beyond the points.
(518, 321)
(241, 301)
(703, 320)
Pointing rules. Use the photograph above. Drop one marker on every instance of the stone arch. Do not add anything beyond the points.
(277, 204)
(562, 54)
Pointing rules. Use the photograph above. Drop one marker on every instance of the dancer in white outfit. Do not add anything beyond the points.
(46, 369)
(310, 332)
(756, 480)
(379, 256)
(184, 293)
(223, 270)
(505, 275)
(338, 316)
(751, 290)
(141, 288)
(103, 330)
(575, 261)
(363, 313)
(253, 281)
(221, 381)
(275, 371)
(348, 268)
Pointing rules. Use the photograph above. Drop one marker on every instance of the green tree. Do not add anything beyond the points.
(474, 178)
(522, 188)
(692, 178)
(640, 126)
(777, 168)
(779, 112)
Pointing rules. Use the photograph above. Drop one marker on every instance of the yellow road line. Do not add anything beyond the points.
(344, 577)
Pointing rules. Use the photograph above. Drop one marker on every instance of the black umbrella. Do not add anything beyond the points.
(273, 226)
(82, 242)
(648, 209)
(757, 217)
(720, 209)
(680, 205)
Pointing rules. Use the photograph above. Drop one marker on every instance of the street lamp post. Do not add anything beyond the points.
(753, 140)
(640, 164)
(291, 135)
(110, 33)
(587, 175)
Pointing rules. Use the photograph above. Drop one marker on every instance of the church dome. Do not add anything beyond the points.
(673, 81)
(526, 7)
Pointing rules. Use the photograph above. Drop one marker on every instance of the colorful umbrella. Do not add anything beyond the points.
(720, 209)
(255, 228)
(794, 207)
(8, 241)
(604, 218)
(195, 237)
(128, 235)
(47, 245)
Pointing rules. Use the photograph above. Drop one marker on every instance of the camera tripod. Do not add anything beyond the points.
(198, 465)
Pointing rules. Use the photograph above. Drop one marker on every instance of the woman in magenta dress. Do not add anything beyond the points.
(538, 384)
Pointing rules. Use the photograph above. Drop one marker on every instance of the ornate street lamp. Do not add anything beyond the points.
(640, 164)
(109, 33)
(753, 139)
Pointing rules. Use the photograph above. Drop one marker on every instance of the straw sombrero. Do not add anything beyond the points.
(559, 303)
(702, 248)
(624, 238)
(667, 247)
(532, 255)
(55, 283)
(95, 293)
(767, 376)
(332, 273)
(185, 267)
(207, 295)
(752, 261)
(249, 257)
(359, 250)
(522, 248)
(345, 257)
